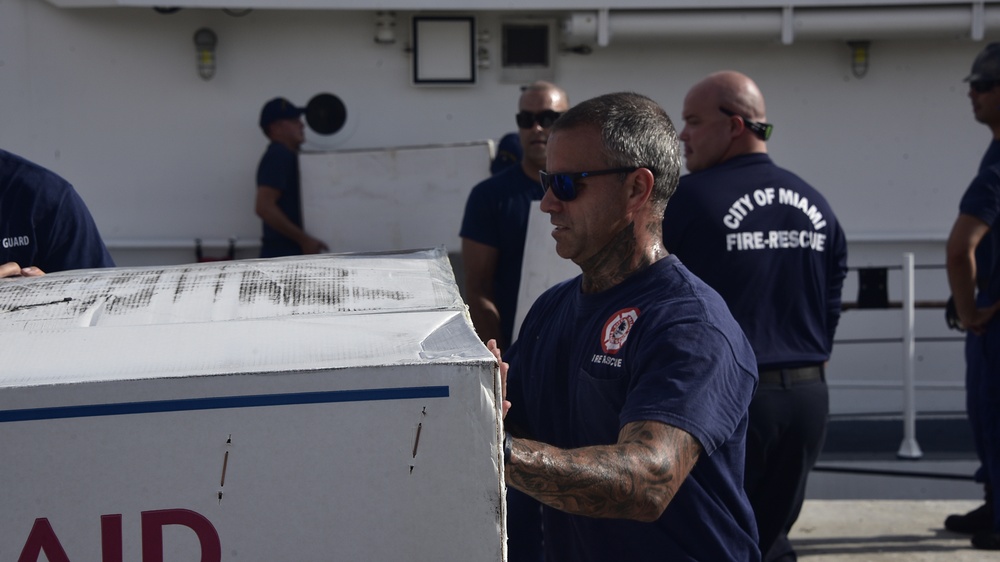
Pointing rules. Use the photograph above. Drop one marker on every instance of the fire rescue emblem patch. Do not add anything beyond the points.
(616, 329)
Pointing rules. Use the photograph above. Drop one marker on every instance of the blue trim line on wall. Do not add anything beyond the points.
(223, 402)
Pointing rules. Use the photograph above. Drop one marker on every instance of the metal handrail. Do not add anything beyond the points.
(909, 448)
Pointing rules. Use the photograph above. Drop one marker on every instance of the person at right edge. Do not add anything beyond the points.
(973, 258)
(770, 244)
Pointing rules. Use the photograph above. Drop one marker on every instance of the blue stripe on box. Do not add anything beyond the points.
(224, 402)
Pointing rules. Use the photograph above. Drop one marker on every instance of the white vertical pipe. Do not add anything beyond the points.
(909, 448)
(978, 21)
(603, 27)
(787, 25)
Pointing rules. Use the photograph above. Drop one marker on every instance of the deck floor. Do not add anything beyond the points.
(873, 507)
(883, 531)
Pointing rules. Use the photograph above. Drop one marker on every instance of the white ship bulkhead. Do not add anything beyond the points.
(108, 94)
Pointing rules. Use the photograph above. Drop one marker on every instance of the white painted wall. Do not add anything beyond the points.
(110, 99)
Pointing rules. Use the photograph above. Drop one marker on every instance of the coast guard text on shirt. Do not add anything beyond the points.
(15, 241)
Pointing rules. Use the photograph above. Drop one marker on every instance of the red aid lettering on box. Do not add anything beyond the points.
(152, 533)
(111, 538)
(42, 538)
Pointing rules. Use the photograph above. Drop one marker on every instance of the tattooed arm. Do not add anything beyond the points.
(633, 479)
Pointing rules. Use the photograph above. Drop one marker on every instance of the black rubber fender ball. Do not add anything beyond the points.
(326, 114)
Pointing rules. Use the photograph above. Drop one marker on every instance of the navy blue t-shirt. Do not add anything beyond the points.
(279, 168)
(44, 222)
(982, 200)
(985, 259)
(991, 156)
(660, 346)
(496, 214)
(771, 246)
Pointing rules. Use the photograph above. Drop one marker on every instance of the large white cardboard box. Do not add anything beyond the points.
(323, 408)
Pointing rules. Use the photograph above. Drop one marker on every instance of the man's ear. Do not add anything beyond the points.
(640, 188)
(736, 126)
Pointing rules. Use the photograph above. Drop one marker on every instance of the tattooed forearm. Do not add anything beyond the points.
(633, 479)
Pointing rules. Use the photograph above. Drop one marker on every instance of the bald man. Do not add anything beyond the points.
(771, 246)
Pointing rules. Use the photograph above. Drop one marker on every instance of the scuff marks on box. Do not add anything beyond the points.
(236, 290)
(220, 284)
(225, 466)
(299, 286)
(416, 439)
(185, 282)
(92, 316)
(138, 299)
(27, 306)
(133, 290)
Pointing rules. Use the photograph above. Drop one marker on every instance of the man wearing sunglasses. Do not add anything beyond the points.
(496, 218)
(973, 258)
(629, 384)
(771, 246)
(493, 234)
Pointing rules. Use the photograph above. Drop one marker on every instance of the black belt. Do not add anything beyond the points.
(791, 376)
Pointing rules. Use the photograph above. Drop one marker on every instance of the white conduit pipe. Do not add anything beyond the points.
(909, 448)
(786, 25)
(885, 23)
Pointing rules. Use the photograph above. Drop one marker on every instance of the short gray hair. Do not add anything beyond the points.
(635, 133)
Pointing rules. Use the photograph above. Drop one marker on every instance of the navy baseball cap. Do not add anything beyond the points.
(509, 152)
(276, 109)
(986, 67)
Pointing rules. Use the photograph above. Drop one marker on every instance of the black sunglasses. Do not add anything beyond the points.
(762, 130)
(545, 119)
(562, 185)
(983, 86)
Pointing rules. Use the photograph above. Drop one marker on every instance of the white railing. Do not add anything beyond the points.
(909, 448)
(907, 384)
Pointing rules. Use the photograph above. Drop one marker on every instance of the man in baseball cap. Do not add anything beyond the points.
(277, 109)
(986, 67)
(278, 203)
(984, 94)
(973, 252)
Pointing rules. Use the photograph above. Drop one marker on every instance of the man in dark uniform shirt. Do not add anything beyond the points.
(44, 224)
(278, 201)
(771, 246)
(973, 258)
(629, 384)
